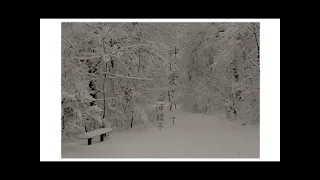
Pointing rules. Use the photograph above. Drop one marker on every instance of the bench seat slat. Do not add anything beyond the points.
(94, 133)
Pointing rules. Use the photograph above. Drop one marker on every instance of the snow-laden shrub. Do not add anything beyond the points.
(68, 96)
(187, 103)
(94, 112)
(106, 123)
(152, 115)
(71, 132)
(140, 116)
(118, 119)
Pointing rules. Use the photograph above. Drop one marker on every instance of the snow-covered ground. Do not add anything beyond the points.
(192, 136)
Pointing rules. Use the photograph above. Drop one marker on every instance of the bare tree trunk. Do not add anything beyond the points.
(104, 98)
(63, 123)
(255, 35)
(63, 116)
(103, 87)
(132, 119)
(65, 71)
(135, 86)
(104, 94)
(139, 61)
(168, 88)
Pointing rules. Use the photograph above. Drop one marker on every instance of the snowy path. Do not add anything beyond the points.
(192, 136)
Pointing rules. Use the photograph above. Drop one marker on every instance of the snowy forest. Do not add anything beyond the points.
(152, 80)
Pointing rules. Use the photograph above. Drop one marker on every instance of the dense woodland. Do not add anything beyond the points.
(114, 73)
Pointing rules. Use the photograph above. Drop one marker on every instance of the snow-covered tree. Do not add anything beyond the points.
(111, 72)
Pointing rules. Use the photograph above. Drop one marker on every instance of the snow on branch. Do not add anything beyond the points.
(85, 57)
(152, 90)
(89, 54)
(145, 98)
(246, 26)
(92, 37)
(121, 76)
(219, 88)
(163, 58)
(216, 59)
(136, 45)
(69, 43)
(100, 33)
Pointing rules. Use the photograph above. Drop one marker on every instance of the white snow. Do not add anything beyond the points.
(191, 136)
(94, 133)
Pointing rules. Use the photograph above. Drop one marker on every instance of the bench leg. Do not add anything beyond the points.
(101, 137)
(89, 141)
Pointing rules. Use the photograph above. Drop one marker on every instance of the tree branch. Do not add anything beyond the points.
(145, 97)
(257, 65)
(121, 76)
(219, 88)
(255, 35)
(73, 46)
(100, 33)
(85, 57)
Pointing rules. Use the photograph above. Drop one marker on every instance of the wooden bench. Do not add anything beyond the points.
(102, 132)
